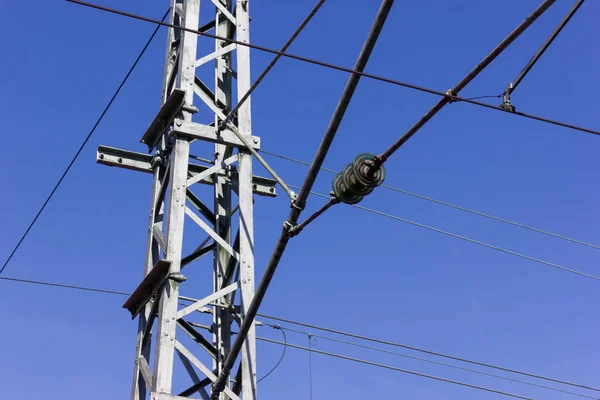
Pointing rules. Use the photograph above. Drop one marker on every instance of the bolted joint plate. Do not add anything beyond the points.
(194, 130)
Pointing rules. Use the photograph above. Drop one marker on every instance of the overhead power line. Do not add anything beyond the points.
(321, 328)
(300, 201)
(454, 235)
(474, 371)
(421, 350)
(343, 69)
(87, 138)
(444, 203)
(406, 371)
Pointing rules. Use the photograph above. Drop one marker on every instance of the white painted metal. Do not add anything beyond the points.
(203, 368)
(167, 323)
(207, 300)
(173, 174)
(248, 363)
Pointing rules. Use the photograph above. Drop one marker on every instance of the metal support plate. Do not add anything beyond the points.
(164, 117)
(149, 286)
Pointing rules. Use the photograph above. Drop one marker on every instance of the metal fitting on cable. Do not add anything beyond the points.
(358, 179)
(506, 100)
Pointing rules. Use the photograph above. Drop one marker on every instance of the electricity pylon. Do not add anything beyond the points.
(196, 114)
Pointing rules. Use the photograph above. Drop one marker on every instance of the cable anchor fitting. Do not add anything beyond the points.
(290, 229)
(358, 179)
(506, 105)
(452, 95)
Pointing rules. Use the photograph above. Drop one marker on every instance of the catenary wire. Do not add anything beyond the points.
(406, 371)
(321, 328)
(430, 361)
(87, 138)
(454, 235)
(343, 69)
(280, 358)
(421, 350)
(444, 203)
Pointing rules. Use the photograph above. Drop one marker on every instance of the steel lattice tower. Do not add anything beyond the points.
(176, 178)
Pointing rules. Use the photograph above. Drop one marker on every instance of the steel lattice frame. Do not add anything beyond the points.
(170, 136)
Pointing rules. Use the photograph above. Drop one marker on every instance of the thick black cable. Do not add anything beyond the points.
(280, 358)
(487, 60)
(467, 239)
(299, 202)
(87, 138)
(421, 350)
(324, 329)
(343, 69)
(474, 371)
(406, 371)
(444, 203)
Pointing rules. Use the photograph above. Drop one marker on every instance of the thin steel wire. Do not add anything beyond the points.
(433, 353)
(87, 138)
(343, 69)
(454, 235)
(61, 285)
(406, 371)
(444, 203)
(431, 361)
(334, 331)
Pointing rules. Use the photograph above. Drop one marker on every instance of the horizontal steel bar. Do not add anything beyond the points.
(208, 133)
(114, 157)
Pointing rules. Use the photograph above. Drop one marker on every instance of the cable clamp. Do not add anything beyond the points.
(506, 106)
(449, 92)
(297, 206)
(290, 229)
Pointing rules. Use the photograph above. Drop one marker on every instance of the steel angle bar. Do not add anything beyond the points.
(300, 201)
(207, 300)
(212, 170)
(212, 233)
(193, 375)
(146, 373)
(203, 368)
(198, 338)
(209, 133)
(222, 51)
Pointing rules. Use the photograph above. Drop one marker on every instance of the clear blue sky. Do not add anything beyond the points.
(351, 270)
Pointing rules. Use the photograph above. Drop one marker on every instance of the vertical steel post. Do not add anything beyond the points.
(222, 192)
(248, 362)
(178, 163)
